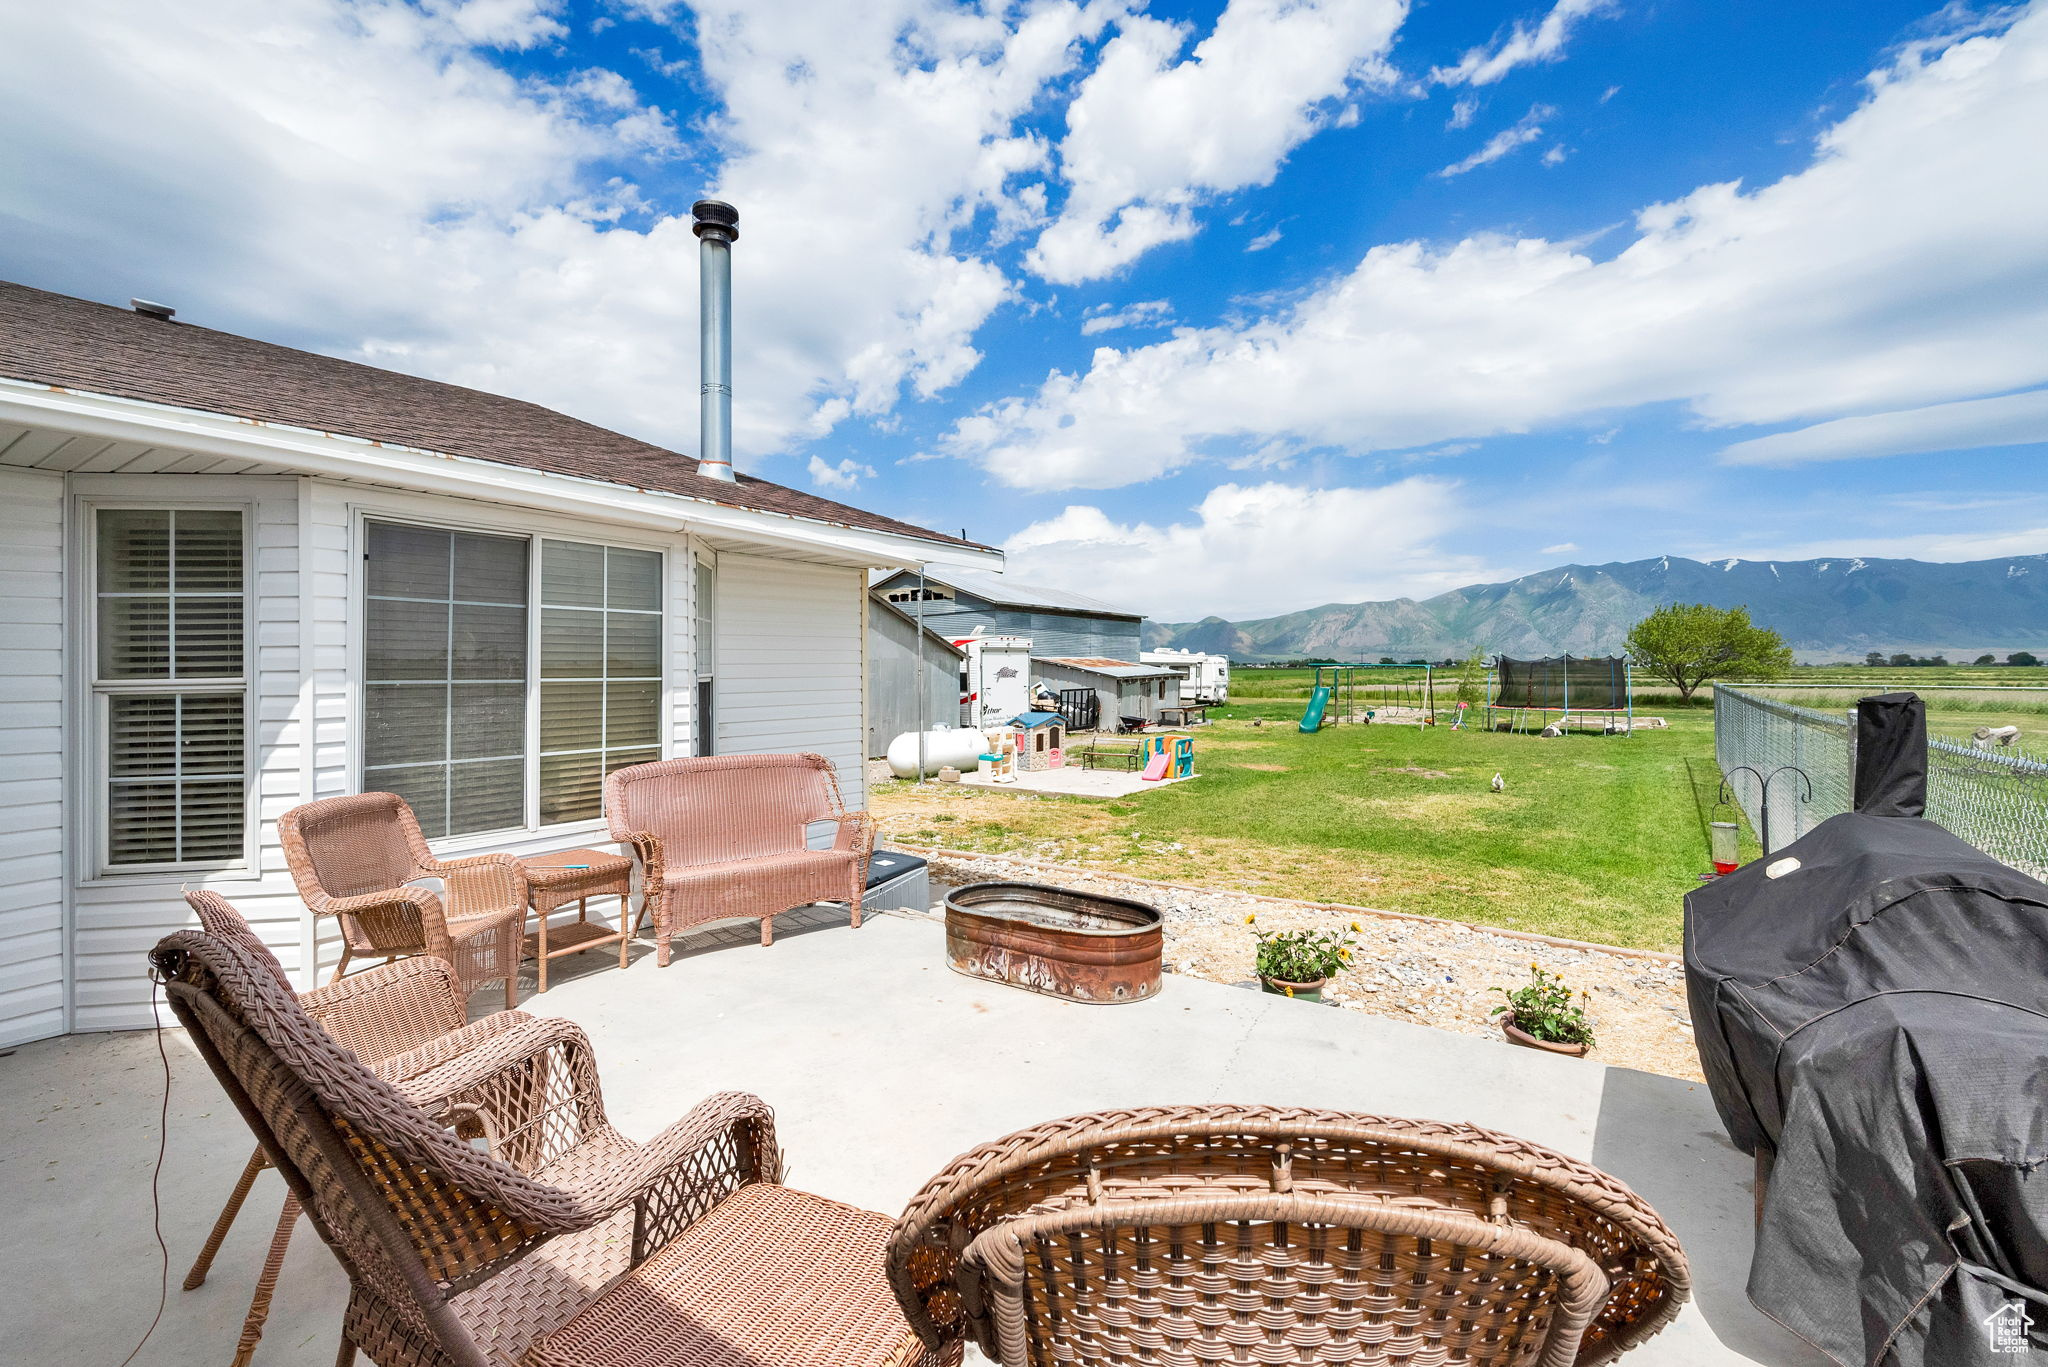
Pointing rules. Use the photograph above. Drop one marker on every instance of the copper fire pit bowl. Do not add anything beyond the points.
(1077, 945)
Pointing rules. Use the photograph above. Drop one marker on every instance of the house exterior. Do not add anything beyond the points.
(239, 577)
(1122, 689)
(895, 663)
(960, 603)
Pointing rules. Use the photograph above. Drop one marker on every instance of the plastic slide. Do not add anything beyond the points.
(1312, 720)
(1155, 767)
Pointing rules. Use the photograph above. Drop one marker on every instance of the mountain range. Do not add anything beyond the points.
(1825, 609)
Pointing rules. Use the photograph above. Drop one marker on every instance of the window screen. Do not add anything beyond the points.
(445, 670)
(600, 671)
(169, 677)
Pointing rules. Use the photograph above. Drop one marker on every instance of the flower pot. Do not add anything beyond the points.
(1529, 1041)
(1308, 991)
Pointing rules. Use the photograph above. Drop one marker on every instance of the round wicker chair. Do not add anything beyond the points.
(1213, 1234)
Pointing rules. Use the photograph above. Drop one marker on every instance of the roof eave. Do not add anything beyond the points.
(307, 451)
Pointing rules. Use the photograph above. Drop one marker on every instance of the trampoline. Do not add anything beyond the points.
(1561, 693)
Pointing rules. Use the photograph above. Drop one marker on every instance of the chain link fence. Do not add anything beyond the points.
(1996, 801)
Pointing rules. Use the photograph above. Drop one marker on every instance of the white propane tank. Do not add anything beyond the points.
(957, 747)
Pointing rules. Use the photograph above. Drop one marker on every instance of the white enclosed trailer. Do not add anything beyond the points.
(1206, 677)
(995, 679)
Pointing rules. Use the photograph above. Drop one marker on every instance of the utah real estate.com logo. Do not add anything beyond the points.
(2005, 1328)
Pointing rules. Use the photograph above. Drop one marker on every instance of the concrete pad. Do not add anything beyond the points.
(1072, 779)
(881, 1063)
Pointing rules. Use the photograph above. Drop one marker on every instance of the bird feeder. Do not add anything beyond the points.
(1723, 846)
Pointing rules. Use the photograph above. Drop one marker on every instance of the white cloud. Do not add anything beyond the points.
(1943, 546)
(1462, 111)
(1522, 45)
(1255, 549)
(364, 179)
(1145, 313)
(1150, 135)
(1555, 155)
(1263, 240)
(1519, 134)
(1901, 268)
(1561, 548)
(847, 474)
(2008, 420)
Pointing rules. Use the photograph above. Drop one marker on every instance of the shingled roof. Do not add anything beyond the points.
(54, 339)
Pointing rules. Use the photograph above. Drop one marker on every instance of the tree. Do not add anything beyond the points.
(1875, 659)
(1690, 643)
(1985, 660)
(1472, 680)
(2023, 657)
(1903, 661)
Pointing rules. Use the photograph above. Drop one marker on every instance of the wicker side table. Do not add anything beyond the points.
(554, 881)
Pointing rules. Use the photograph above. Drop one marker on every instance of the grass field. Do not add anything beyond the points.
(1596, 837)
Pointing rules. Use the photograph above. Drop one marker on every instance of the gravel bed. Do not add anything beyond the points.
(1437, 973)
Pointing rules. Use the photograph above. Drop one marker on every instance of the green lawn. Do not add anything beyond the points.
(1595, 837)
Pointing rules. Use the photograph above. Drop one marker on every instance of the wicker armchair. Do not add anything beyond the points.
(566, 1245)
(399, 1020)
(727, 837)
(354, 859)
(1251, 1234)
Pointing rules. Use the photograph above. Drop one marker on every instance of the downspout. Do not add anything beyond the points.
(717, 226)
(922, 684)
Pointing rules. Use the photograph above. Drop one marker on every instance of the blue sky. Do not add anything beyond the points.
(1210, 308)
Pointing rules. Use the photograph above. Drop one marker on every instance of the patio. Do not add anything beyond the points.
(845, 1033)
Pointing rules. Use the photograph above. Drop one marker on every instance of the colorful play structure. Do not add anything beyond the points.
(1561, 694)
(1167, 756)
(1371, 693)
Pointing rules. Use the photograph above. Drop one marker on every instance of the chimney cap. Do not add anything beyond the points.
(715, 216)
(150, 309)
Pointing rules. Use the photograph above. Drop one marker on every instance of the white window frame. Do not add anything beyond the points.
(533, 531)
(95, 692)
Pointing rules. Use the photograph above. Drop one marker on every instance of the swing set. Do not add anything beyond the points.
(1363, 694)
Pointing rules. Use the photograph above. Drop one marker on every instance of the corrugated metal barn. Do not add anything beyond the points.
(1060, 624)
(893, 671)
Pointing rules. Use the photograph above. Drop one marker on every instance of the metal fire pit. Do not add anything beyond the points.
(1076, 945)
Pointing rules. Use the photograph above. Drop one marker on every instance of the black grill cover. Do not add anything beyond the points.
(1875, 1019)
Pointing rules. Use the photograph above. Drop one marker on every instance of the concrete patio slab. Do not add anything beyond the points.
(881, 1065)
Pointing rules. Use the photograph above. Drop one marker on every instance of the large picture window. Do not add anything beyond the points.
(170, 685)
(470, 637)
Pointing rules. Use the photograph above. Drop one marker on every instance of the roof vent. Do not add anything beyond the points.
(717, 225)
(151, 309)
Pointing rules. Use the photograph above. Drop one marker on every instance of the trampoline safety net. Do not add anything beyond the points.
(1591, 683)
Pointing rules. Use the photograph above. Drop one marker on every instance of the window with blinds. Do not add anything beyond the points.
(445, 675)
(170, 684)
(600, 671)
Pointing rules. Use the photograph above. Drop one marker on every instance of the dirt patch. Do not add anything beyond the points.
(1417, 771)
(1267, 768)
(1456, 807)
(1436, 973)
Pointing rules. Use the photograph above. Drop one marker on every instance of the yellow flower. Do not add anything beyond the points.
(1288, 990)
(1250, 917)
(1356, 926)
(1345, 955)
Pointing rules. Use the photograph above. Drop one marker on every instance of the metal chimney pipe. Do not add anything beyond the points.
(717, 226)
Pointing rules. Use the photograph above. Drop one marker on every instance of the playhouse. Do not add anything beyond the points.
(1041, 740)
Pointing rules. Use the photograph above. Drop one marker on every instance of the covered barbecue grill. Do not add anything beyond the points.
(1871, 1005)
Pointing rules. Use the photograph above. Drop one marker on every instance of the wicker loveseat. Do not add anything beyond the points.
(1255, 1234)
(400, 1020)
(360, 859)
(565, 1245)
(727, 836)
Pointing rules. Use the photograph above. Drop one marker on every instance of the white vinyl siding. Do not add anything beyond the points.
(32, 753)
(790, 659)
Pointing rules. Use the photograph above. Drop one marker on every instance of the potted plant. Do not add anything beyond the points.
(1297, 963)
(1541, 1014)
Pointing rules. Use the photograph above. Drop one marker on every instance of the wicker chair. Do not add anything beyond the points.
(1250, 1234)
(354, 859)
(566, 1245)
(727, 837)
(399, 1020)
